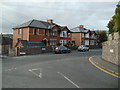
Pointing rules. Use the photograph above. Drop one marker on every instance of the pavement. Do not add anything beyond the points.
(3, 56)
(105, 66)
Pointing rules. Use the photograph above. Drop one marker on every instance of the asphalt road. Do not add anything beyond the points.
(50, 70)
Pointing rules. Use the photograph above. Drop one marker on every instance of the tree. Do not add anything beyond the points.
(102, 35)
(116, 27)
(114, 23)
(110, 26)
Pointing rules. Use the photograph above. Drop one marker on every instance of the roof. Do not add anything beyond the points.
(5, 40)
(37, 24)
(62, 28)
(79, 30)
(26, 43)
(93, 32)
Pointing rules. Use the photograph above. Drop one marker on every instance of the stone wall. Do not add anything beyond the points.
(12, 52)
(111, 49)
(29, 50)
(5, 49)
(35, 50)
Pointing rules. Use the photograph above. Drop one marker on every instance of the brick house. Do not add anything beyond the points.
(83, 36)
(49, 33)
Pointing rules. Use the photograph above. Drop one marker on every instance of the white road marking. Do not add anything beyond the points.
(10, 69)
(68, 79)
(39, 75)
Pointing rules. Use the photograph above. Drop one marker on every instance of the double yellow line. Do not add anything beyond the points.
(108, 72)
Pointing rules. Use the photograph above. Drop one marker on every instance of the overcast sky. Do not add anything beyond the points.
(93, 15)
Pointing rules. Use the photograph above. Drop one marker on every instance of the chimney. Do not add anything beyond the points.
(50, 21)
(81, 26)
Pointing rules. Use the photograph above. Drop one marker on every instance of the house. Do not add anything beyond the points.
(50, 33)
(83, 36)
(5, 44)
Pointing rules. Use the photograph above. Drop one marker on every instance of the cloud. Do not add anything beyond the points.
(94, 15)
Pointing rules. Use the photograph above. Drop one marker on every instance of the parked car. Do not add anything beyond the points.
(62, 49)
(83, 48)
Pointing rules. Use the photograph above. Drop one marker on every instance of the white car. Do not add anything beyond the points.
(83, 48)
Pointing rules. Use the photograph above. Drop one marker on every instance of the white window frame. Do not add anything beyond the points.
(82, 35)
(86, 42)
(87, 35)
(19, 31)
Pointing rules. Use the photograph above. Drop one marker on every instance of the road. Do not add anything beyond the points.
(50, 70)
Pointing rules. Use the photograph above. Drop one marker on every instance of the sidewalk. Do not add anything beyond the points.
(3, 56)
(112, 68)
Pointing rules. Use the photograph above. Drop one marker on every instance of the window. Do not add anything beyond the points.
(92, 36)
(36, 31)
(53, 41)
(45, 32)
(63, 34)
(82, 35)
(92, 42)
(19, 31)
(63, 42)
(87, 35)
(68, 34)
(86, 42)
(54, 33)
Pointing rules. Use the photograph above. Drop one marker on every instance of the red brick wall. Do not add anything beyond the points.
(28, 34)
(77, 38)
(23, 36)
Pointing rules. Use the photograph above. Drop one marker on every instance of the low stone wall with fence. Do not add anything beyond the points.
(111, 49)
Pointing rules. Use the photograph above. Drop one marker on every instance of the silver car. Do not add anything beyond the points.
(83, 48)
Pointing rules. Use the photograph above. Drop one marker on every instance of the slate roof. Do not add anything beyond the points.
(37, 24)
(26, 43)
(78, 30)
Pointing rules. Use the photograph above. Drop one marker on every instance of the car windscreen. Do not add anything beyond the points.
(62, 47)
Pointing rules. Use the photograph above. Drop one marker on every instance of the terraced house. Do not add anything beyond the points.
(82, 36)
(48, 32)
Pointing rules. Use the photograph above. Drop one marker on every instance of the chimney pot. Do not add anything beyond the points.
(81, 26)
(50, 21)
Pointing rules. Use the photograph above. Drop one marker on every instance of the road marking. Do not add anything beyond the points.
(38, 75)
(102, 68)
(68, 79)
(10, 69)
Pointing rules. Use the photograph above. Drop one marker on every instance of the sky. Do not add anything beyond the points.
(93, 15)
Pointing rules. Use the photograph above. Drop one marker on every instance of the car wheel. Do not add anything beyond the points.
(61, 52)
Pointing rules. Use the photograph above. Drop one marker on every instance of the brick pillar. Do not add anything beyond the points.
(16, 51)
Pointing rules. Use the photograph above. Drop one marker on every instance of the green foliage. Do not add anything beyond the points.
(114, 23)
(110, 26)
(102, 36)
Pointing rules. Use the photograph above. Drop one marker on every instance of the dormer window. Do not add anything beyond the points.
(87, 35)
(92, 36)
(68, 34)
(63, 34)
